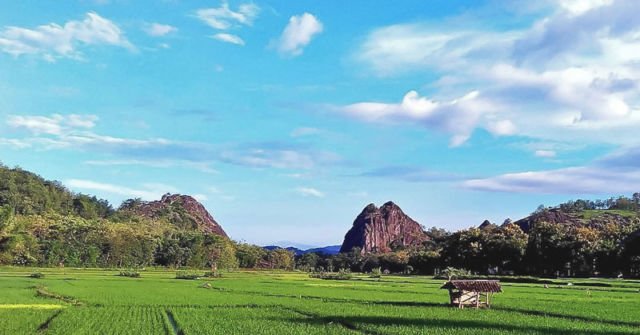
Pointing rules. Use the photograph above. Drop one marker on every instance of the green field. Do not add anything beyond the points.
(99, 302)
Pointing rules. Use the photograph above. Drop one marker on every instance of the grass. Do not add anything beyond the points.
(589, 214)
(100, 302)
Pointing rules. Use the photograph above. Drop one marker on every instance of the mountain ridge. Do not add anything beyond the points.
(327, 250)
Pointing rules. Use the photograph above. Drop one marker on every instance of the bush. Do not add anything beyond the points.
(188, 275)
(343, 274)
(453, 273)
(37, 275)
(129, 273)
(376, 273)
(213, 274)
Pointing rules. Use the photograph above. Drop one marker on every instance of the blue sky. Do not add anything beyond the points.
(285, 118)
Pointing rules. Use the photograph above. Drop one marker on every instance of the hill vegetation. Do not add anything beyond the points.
(576, 238)
(42, 223)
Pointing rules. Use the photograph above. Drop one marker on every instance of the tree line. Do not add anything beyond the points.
(548, 250)
(44, 224)
(53, 240)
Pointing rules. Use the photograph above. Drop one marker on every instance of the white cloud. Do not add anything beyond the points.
(75, 132)
(15, 143)
(228, 38)
(157, 163)
(570, 76)
(298, 34)
(405, 48)
(457, 117)
(52, 41)
(612, 174)
(53, 125)
(545, 153)
(150, 191)
(570, 37)
(310, 192)
(581, 6)
(273, 158)
(502, 127)
(158, 29)
(223, 17)
(578, 180)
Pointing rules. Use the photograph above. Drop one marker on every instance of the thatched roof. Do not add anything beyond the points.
(484, 286)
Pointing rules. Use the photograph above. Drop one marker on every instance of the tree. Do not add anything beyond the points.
(504, 248)
(249, 256)
(541, 209)
(425, 262)
(547, 250)
(464, 249)
(6, 216)
(308, 262)
(221, 253)
(631, 255)
(396, 262)
(281, 259)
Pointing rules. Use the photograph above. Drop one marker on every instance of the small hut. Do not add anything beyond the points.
(474, 293)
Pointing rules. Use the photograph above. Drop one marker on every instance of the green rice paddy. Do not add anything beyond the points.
(100, 302)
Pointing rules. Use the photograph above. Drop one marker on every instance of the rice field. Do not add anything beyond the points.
(95, 301)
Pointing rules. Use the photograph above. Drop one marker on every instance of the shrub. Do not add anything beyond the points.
(343, 274)
(37, 275)
(189, 275)
(129, 273)
(453, 273)
(376, 273)
(213, 274)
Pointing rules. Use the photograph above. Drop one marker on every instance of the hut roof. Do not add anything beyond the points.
(474, 285)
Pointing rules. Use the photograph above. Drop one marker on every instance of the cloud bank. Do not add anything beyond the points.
(53, 41)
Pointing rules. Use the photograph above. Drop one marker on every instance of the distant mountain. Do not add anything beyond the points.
(382, 230)
(296, 251)
(328, 250)
(297, 245)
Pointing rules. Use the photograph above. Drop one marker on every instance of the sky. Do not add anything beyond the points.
(286, 118)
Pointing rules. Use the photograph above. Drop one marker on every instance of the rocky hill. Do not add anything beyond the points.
(596, 219)
(181, 210)
(382, 230)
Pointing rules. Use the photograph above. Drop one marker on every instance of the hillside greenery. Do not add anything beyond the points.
(44, 224)
(592, 242)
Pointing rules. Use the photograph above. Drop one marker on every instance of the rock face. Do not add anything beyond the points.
(181, 210)
(486, 224)
(382, 230)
